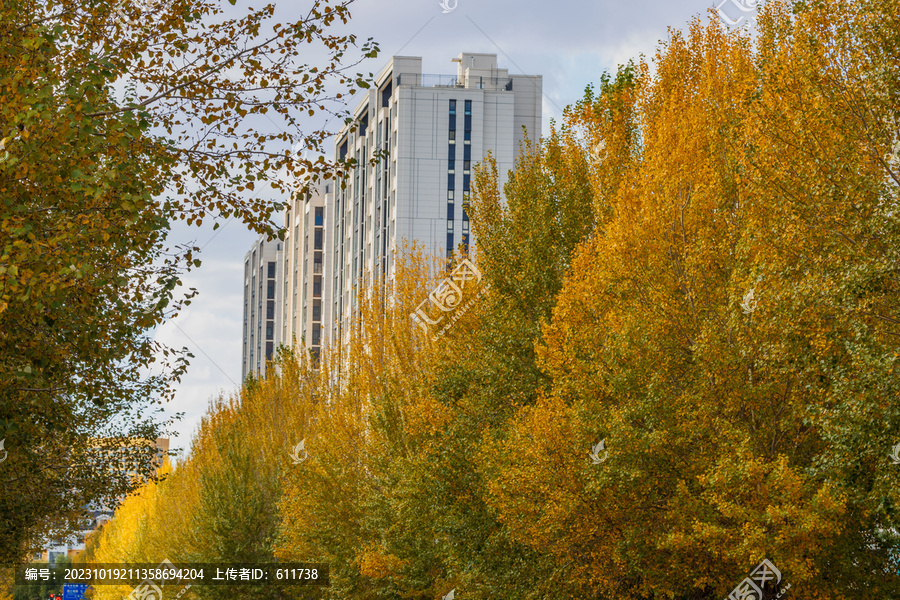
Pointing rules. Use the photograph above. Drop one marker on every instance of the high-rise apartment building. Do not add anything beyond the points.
(305, 264)
(262, 308)
(435, 128)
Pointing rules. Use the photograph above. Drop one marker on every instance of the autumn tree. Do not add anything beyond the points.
(728, 334)
(347, 504)
(220, 504)
(118, 119)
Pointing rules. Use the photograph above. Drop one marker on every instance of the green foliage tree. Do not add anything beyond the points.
(220, 504)
(118, 119)
(41, 590)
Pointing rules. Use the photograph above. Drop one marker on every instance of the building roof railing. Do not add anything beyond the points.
(452, 81)
(428, 80)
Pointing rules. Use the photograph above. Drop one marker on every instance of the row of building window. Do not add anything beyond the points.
(254, 320)
(451, 174)
(318, 236)
(270, 309)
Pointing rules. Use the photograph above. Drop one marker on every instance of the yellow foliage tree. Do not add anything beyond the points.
(728, 335)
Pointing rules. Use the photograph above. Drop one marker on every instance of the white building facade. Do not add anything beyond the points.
(434, 128)
(262, 305)
(305, 295)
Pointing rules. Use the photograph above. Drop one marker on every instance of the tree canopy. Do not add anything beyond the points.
(117, 119)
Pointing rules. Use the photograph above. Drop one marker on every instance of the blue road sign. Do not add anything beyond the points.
(74, 591)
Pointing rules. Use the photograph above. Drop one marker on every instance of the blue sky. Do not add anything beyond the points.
(569, 43)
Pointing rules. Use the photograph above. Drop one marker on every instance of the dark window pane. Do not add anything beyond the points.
(270, 331)
(320, 216)
(317, 286)
(449, 244)
(270, 309)
(318, 239)
(270, 347)
(453, 107)
(451, 151)
(452, 123)
(451, 181)
(270, 291)
(450, 212)
(271, 272)
(468, 107)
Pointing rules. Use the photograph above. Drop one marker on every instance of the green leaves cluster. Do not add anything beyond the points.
(113, 127)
